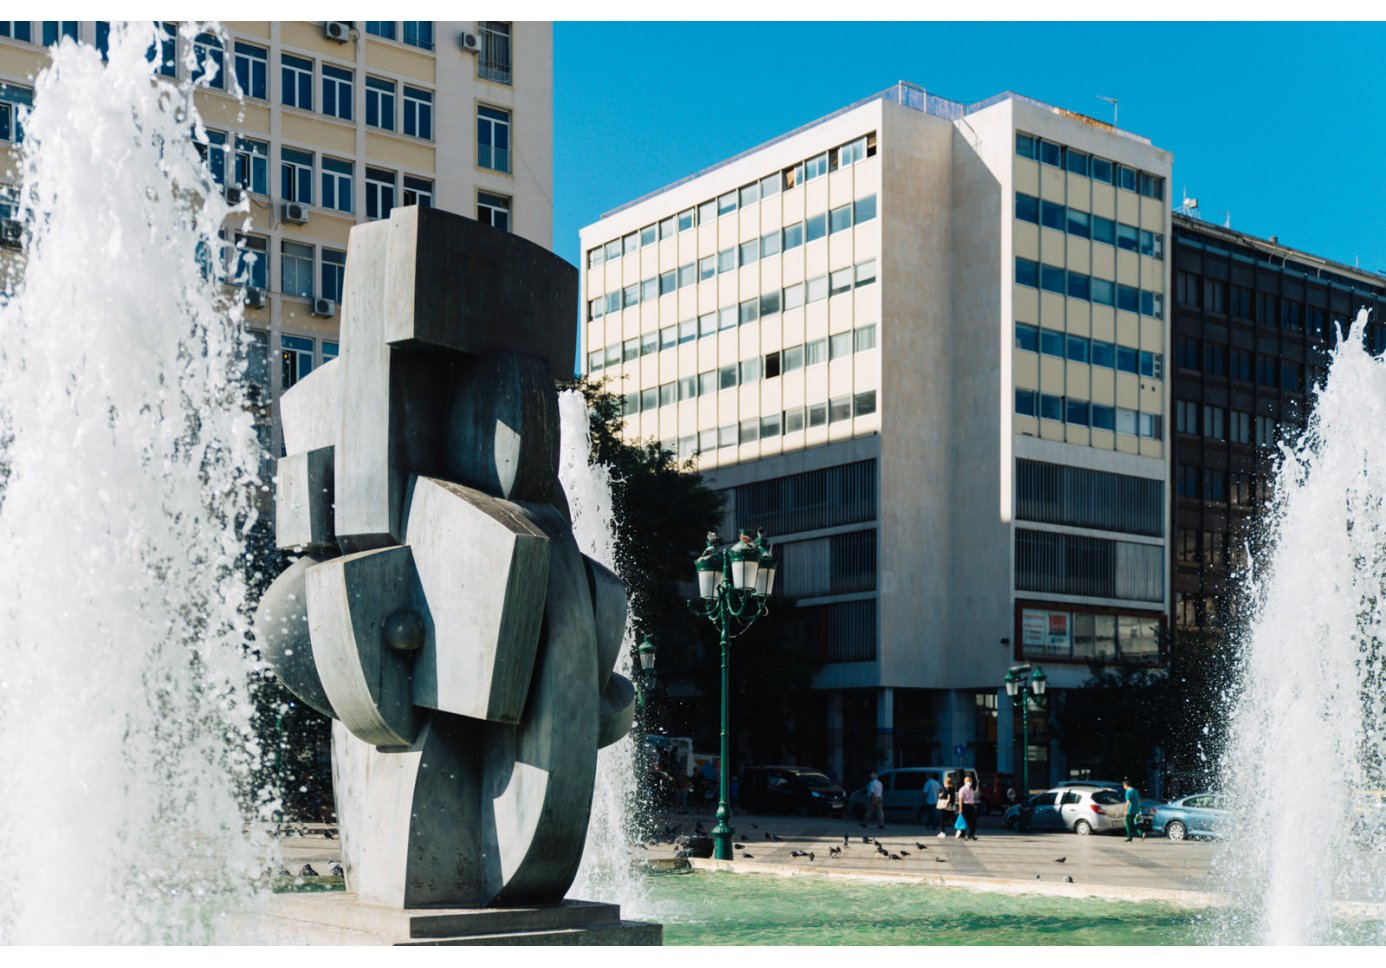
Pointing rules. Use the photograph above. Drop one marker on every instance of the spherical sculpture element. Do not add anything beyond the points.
(404, 631)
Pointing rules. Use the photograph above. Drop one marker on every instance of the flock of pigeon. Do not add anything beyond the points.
(881, 851)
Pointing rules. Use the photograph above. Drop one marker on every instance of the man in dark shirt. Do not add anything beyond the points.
(1133, 810)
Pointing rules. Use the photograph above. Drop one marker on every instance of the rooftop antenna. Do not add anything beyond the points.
(1227, 222)
(1189, 206)
(1113, 102)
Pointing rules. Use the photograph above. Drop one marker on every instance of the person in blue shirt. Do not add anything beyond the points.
(1133, 810)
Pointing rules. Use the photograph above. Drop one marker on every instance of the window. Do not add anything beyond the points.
(213, 154)
(1101, 170)
(815, 167)
(1213, 418)
(1186, 481)
(749, 194)
(252, 261)
(1265, 432)
(1076, 162)
(1186, 289)
(336, 184)
(296, 269)
(14, 100)
(1077, 349)
(1103, 354)
(1153, 244)
(866, 272)
(55, 30)
(1053, 279)
(18, 29)
(748, 311)
(1027, 208)
(666, 228)
(1103, 418)
(336, 92)
(687, 274)
(840, 218)
(1052, 215)
(493, 138)
(1051, 407)
(380, 192)
(493, 210)
(750, 370)
(1215, 359)
(707, 267)
(493, 63)
(418, 113)
(296, 359)
(380, 103)
(419, 33)
(1050, 153)
(1026, 337)
(296, 175)
(793, 236)
(209, 61)
(418, 191)
(839, 408)
(1126, 359)
(816, 226)
(749, 252)
(1026, 272)
(1265, 370)
(864, 209)
(1025, 145)
(707, 212)
(252, 166)
(296, 81)
(1186, 417)
(1128, 237)
(1126, 178)
(1241, 365)
(647, 236)
(840, 281)
(770, 244)
(1079, 223)
(252, 70)
(1241, 302)
(668, 282)
(1076, 411)
(333, 274)
(1241, 427)
(381, 28)
(839, 345)
(726, 203)
(1214, 485)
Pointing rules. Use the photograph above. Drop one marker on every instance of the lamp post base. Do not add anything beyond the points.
(722, 841)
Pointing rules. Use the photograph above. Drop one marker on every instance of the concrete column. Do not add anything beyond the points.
(957, 726)
(885, 725)
(836, 757)
(1006, 761)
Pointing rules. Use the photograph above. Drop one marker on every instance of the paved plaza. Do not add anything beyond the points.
(1000, 860)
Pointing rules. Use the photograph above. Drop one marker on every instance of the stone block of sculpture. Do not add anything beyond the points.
(443, 614)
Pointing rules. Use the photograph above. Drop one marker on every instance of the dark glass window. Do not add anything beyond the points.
(1052, 278)
(1052, 342)
(1076, 412)
(1026, 207)
(1025, 402)
(1052, 215)
(1102, 170)
(1050, 153)
(1076, 162)
(1103, 354)
(1078, 285)
(1026, 337)
(1026, 272)
(1025, 145)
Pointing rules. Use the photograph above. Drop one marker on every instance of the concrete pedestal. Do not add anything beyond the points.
(340, 918)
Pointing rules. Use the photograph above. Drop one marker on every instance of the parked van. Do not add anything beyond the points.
(904, 791)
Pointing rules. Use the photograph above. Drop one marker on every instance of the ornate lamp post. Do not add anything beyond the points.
(733, 587)
(645, 675)
(1016, 688)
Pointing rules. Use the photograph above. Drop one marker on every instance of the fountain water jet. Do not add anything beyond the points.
(130, 461)
(1308, 725)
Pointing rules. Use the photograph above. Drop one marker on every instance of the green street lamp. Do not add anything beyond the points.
(1016, 688)
(734, 585)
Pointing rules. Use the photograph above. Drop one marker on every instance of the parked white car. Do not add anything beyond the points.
(1079, 808)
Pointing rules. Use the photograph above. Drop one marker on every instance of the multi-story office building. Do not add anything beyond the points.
(922, 344)
(1253, 323)
(321, 125)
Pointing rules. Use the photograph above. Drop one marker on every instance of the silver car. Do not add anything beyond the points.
(1081, 809)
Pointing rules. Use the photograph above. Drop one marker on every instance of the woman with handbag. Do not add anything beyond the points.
(947, 802)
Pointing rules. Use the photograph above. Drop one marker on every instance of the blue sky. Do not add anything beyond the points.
(1281, 125)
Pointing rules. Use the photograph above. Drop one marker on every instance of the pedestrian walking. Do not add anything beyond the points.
(1133, 810)
(967, 799)
(947, 806)
(875, 802)
(932, 789)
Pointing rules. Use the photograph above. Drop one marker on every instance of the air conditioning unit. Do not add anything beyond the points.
(234, 194)
(296, 213)
(255, 298)
(471, 43)
(324, 307)
(12, 233)
(338, 30)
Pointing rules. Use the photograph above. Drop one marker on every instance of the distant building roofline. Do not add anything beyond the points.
(903, 93)
(1273, 246)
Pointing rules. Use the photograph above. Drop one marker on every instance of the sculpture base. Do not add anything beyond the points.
(339, 918)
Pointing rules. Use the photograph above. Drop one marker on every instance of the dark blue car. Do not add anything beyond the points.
(1199, 815)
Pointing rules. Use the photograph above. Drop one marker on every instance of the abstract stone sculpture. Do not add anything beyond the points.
(441, 612)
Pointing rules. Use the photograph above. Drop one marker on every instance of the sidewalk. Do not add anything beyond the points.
(1099, 865)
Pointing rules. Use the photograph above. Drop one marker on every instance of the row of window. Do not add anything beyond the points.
(1218, 359)
(51, 31)
(416, 33)
(780, 362)
(1085, 413)
(1094, 352)
(1214, 484)
(1087, 225)
(1081, 498)
(708, 212)
(1086, 637)
(1240, 302)
(1218, 423)
(252, 264)
(738, 256)
(1192, 546)
(786, 422)
(1079, 285)
(1089, 166)
(729, 317)
(15, 99)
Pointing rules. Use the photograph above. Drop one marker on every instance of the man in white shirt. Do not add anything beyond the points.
(875, 802)
(967, 797)
(931, 791)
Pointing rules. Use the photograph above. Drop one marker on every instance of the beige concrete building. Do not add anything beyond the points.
(320, 125)
(922, 344)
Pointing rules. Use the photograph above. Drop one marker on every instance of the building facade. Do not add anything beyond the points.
(922, 345)
(1253, 325)
(321, 125)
